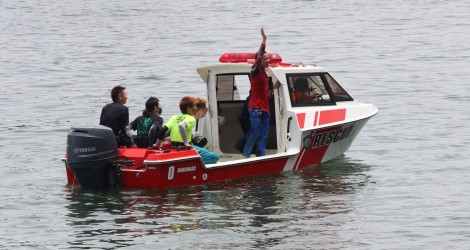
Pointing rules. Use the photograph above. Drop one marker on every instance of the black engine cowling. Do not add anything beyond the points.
(91, 155)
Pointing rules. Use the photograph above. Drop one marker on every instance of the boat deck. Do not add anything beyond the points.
(231, 157)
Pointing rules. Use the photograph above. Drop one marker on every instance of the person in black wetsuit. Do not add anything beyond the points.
(147, 125)
(116, 116)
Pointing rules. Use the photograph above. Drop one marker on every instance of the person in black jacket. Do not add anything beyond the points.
(147, 125)
(116, 116)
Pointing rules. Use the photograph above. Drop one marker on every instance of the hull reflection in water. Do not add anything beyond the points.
(315, 200)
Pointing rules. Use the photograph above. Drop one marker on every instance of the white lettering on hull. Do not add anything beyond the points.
(186, 169)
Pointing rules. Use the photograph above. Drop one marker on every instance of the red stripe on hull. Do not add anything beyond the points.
(313, 154)
(330, 116)
(316, 118)
(301, 120)
(299, 157)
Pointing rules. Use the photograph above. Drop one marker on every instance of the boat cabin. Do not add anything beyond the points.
(305, 91)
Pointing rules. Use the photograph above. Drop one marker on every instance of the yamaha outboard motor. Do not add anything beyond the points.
(91, 155)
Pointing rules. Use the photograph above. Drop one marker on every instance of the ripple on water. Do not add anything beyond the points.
(402, 183)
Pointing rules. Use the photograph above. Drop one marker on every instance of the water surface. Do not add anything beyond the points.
(402, 185)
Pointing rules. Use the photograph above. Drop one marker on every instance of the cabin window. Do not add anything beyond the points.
(308, 90)
(315, 89)
(339, 93)
(232, 87)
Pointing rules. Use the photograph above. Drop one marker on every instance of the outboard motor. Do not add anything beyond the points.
(91, 155)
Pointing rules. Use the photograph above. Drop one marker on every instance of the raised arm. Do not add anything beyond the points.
(263, 35)
(262, 48)
(259, 55)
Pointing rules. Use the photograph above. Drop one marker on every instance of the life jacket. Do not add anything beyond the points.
(143, 128)
(173, 123)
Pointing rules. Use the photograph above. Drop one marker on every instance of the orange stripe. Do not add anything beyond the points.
(301, 120)
(330, 116)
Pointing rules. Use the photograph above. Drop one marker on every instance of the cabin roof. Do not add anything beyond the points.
(245, 68)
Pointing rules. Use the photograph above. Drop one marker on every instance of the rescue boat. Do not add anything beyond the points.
(313, 120)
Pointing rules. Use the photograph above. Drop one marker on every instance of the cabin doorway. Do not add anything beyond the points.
(232, 92)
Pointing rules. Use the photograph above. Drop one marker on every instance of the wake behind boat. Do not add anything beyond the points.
(313, 120)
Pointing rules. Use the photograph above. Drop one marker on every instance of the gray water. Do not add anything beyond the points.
(403, 184)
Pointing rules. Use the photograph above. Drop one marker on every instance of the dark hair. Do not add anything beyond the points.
(187, 102)
(151, 103)
(116, 91)
(301, 84)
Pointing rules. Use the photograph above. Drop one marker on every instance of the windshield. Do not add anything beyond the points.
(315, 89)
